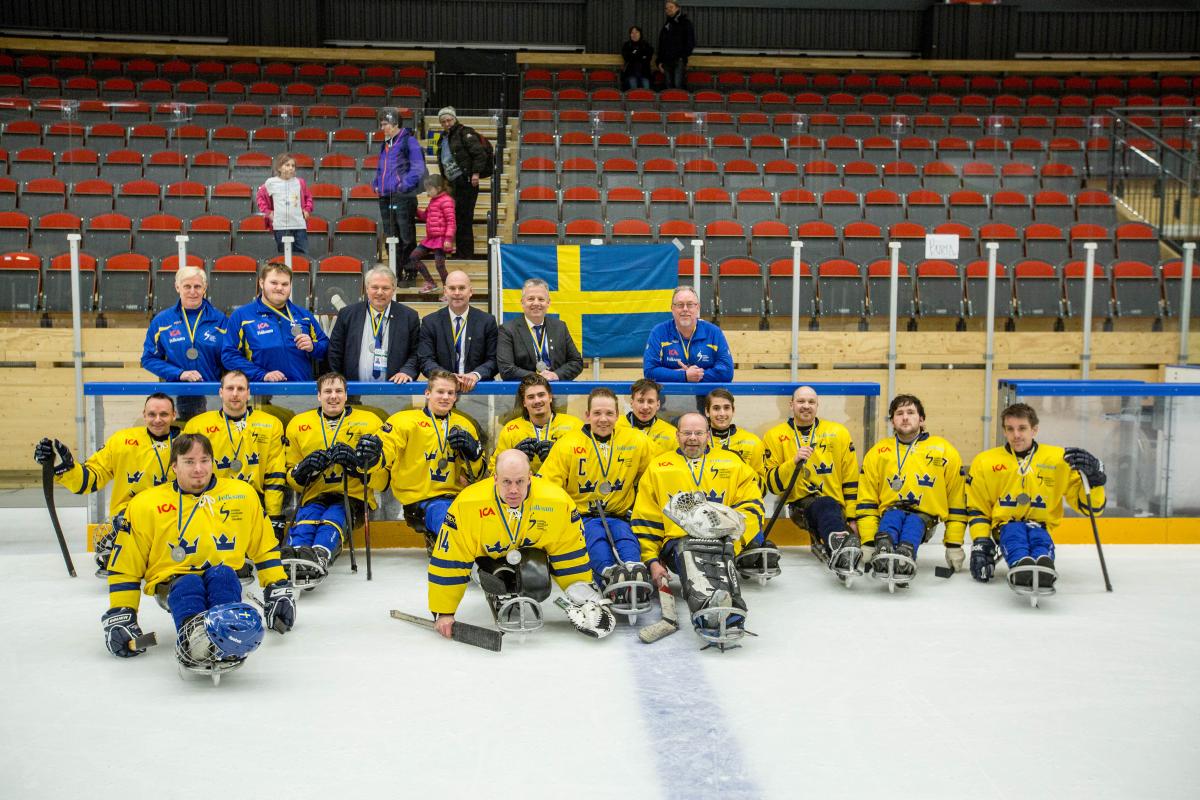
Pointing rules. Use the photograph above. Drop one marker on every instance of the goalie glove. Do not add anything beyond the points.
(590, 613)
(954, 556)
(703, 518)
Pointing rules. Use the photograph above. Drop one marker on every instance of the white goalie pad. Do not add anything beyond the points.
(703, 518)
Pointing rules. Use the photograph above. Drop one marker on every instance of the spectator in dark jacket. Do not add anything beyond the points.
(397, 181)
(637, 53)
(676, 41)
(463, 160)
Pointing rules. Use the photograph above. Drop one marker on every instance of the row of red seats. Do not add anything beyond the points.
(135, 112)
(104, 137)
(208, 69)
(167, 166)
(764, 80)
(194, 90)
(814, 102)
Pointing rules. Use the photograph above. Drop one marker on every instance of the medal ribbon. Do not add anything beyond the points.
(202, 500)
(286, 313)
(189, 327)
(604, 468)
(686, 345)
(503, 510)
(539, 341)
(325, 425)
(237, 450)
(1024, 464)
(537, 431)
(900, 461)
(439, 434)
(697, 478)
(807, 443)
(162, 469)
(377, 327)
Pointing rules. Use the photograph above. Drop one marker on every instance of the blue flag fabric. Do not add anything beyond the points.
(610, 296)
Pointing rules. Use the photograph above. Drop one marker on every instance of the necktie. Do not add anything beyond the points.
(458, 342)
(541, 343)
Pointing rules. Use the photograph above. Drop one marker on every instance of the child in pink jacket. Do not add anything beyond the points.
(287, 203)
(438, 217)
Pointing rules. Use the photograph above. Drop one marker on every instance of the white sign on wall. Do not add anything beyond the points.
(943, 246)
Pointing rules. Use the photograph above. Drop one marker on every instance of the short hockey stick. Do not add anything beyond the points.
(48, 491)
(349, 520)
(1087, 492)
(143, 641)
(670, 619)
(464, 632)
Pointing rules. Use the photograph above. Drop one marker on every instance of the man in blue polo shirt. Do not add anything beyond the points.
(686, 348)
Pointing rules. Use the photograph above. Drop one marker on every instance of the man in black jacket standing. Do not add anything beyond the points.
(463, 160)
(376, 340)
(676, 41)
(534, 342)
(458, 338)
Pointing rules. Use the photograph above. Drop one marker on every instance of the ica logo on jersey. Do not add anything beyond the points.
(487, 512)
(166, 507)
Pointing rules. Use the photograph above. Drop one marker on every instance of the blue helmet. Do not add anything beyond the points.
(235, 629)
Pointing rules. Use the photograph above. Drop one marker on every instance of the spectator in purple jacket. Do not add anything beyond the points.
(397, 181)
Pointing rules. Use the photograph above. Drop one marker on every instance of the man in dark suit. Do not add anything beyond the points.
(458, 338)
(532, 343)
(376, 340)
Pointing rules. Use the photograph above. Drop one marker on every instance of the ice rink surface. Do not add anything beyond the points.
(952, 689)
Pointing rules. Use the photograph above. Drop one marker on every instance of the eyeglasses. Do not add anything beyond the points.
(685, 305)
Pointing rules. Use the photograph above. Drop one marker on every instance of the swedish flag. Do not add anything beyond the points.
(609, 296)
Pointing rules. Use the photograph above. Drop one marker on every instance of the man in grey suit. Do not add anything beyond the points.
(376, 340)
(532, 343)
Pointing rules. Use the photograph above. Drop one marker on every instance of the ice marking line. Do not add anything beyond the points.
(696, 753)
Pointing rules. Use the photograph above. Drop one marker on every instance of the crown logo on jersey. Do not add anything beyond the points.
(134, 477)
(1038, 502)
(224, 542)
(713, 496)
(186, 546)
(823, 469)
(925, 480)
(496, 548)
(252, 459)
(914, 499)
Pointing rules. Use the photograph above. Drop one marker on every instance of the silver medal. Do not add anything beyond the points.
(442, 464)
(896, 483)
(540, 366)
(1022, 499)
(235, 465)
(192, 352)
(513, 557)
(296, 329)
(178, 554)
(605, 487)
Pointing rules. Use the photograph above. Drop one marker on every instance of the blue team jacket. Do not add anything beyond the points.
(259, 340)
(167, 343)
(707, 350)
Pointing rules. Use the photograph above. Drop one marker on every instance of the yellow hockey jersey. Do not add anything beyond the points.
(749, 448)
(932, 480)
(720, 474)
(422, 463)
(832, 470)
(521, 429)
(173, 533)
(1002, 488)
(132, 460)
(479, 524)
(311, 431)
(256, 443)
(660, 432)
(581, 465)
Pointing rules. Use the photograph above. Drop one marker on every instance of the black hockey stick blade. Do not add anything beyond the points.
(142, 642)
(943, 572)
(48, 492)
(463, 632)
(669, 622)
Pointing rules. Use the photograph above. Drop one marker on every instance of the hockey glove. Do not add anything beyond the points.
(44, 454)
(120, 628)
(954, 556)
(279, 525)
(465, 444)
(983, 559)
(343, 455)
(369, 450)
(311, 466)
(544, 448)
(529, 447)
(590, 613)
(279, 602)
(1091, 467)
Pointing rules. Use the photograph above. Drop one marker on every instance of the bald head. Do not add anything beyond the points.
(804, 405)
(458, 291)
(512, 477)
(692, 434)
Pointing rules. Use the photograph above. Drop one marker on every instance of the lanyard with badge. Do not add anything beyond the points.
(897, 481)
(379, 325)
(443, 462)
(812, 432)
(236, 464)
(1023, 465)
(179, 551)
(606, 487)
(296, 329)
(539, 344)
